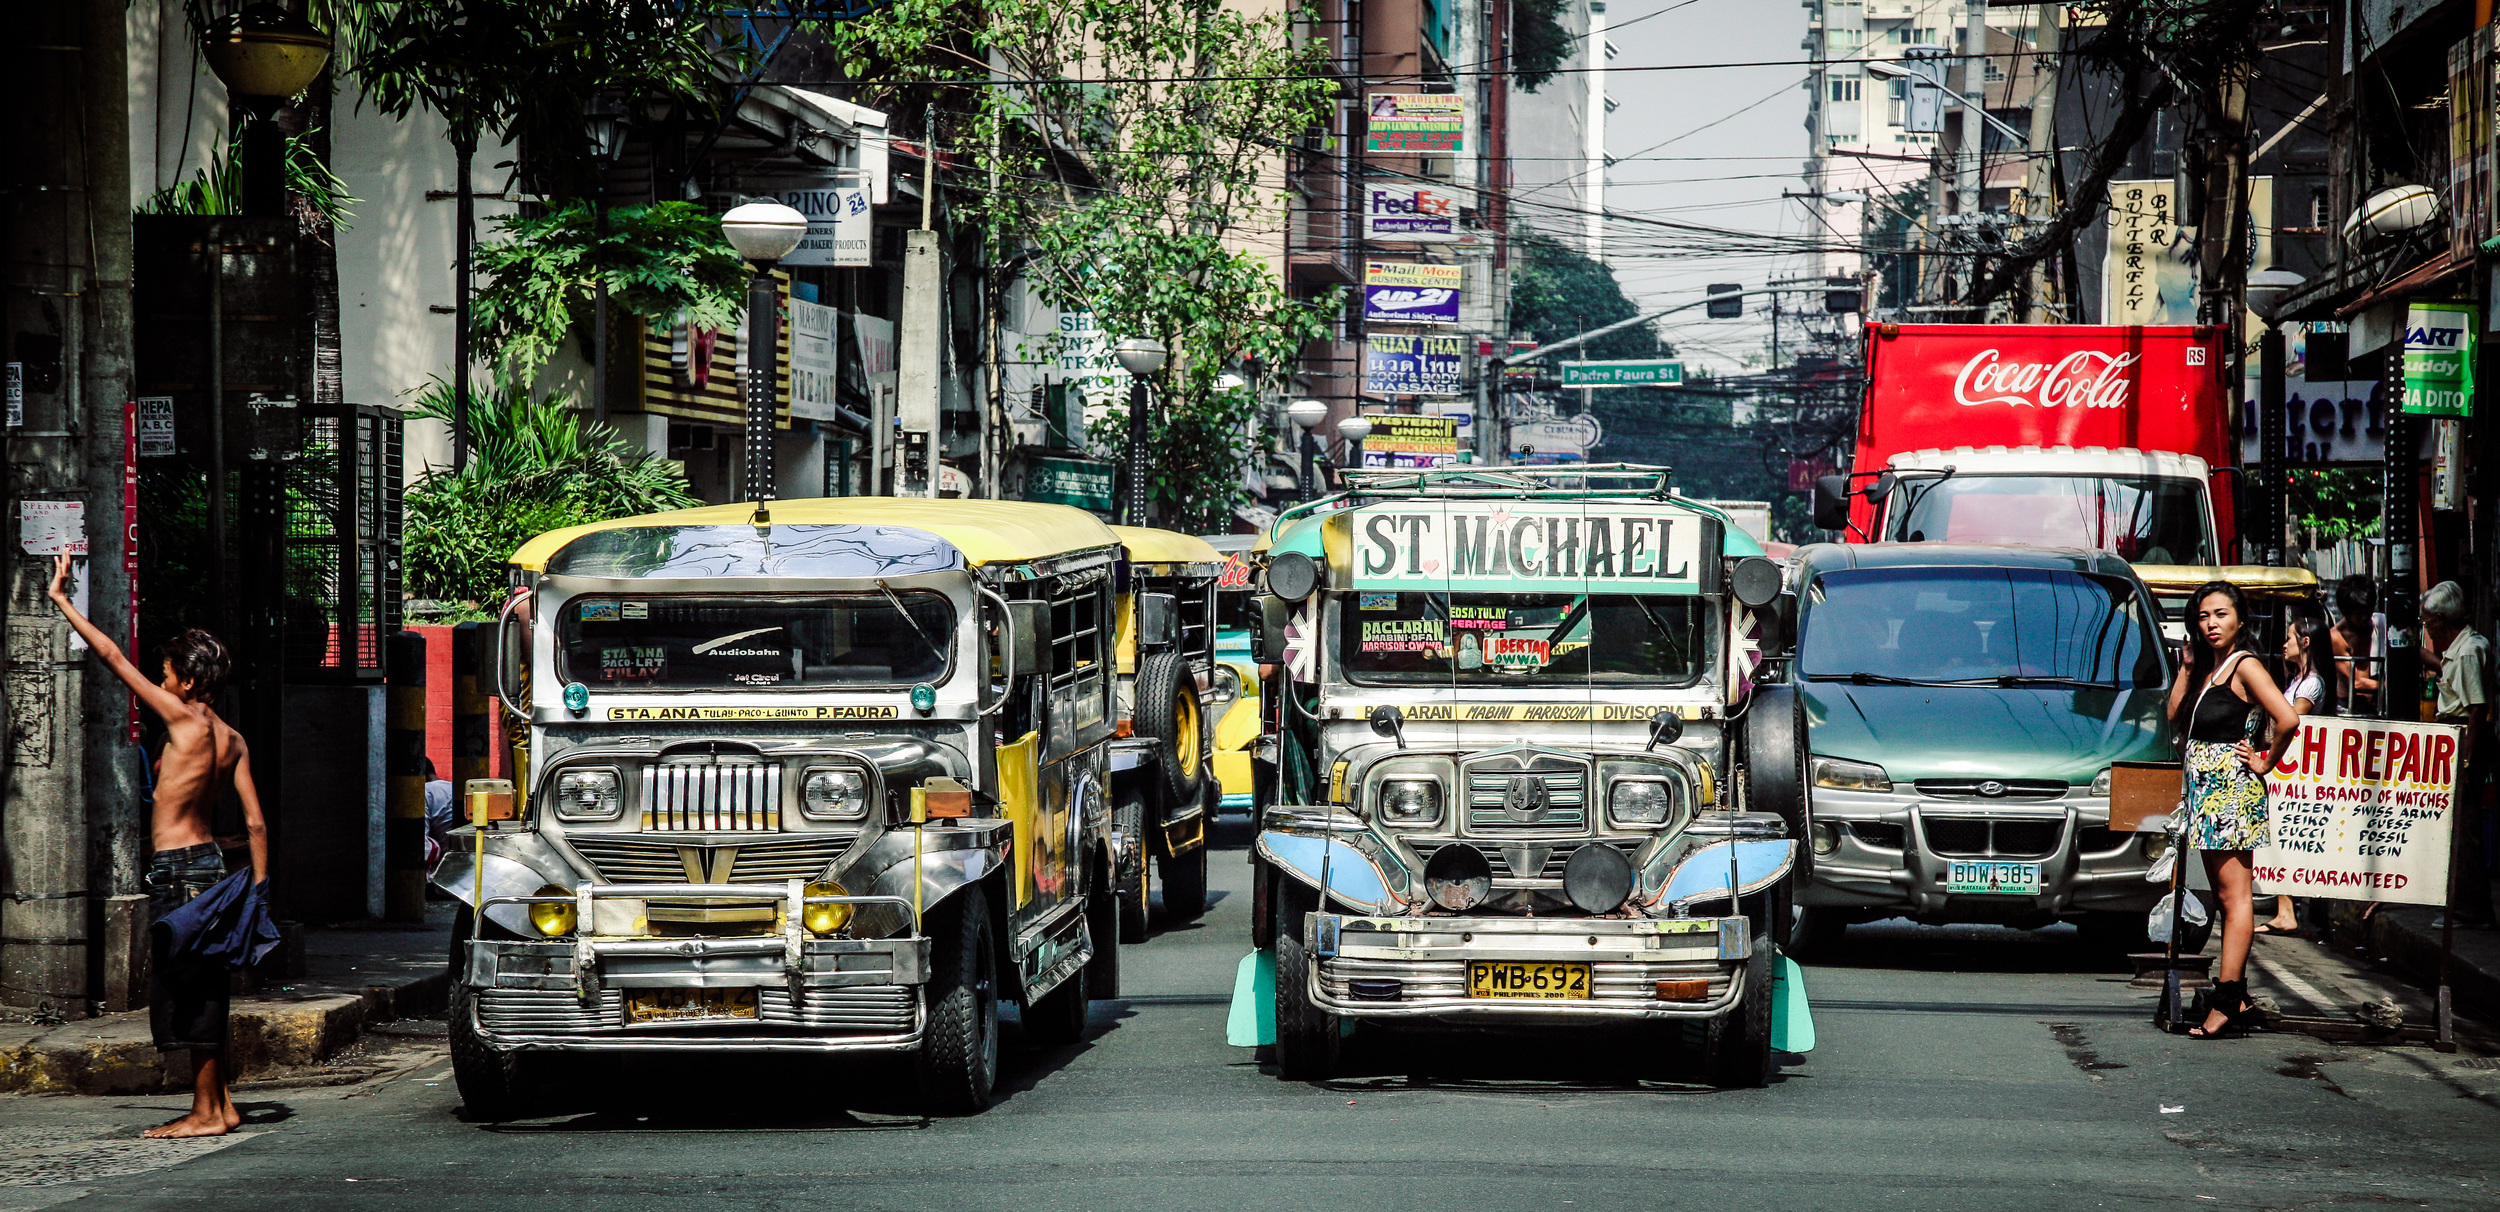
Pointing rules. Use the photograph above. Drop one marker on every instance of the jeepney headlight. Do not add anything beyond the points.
(1645, 801)
(833, 795)
(553, 919)
(1841, 774)
(594, 794)
(2100, 783)
(825, 919)
(1408, 801)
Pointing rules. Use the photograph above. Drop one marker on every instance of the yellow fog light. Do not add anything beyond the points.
(825, 919)
(553, 920)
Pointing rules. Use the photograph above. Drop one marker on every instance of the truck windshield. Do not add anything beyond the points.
(2145, 519)
(1929, 625)
(1520, 639)
(816, 641)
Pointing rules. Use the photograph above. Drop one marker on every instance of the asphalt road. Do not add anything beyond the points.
(1980, 1069)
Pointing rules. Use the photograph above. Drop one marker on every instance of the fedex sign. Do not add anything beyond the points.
(1409, 212)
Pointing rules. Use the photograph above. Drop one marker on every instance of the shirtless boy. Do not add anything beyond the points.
(202, 756)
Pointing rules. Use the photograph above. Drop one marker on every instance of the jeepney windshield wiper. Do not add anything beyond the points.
(916, 629)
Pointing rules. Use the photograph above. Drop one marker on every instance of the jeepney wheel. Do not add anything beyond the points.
(1102, 926)
(1167, 710)
(494, 1085)
(1129, 878)
(1184, 884)
(1307, 1039)
(1057, 1018)
(1738, 1055)
(958, 1059)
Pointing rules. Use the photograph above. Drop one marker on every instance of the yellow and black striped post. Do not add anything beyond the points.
(472, 726)
(403, 826)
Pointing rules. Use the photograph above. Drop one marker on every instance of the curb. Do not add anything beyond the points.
(115, 1054)
(2414, 946)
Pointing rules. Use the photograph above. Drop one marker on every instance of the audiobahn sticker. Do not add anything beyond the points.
(1523, 547)
(753, 713)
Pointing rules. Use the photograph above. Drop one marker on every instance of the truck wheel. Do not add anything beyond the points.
(958, 1058)
(494, 1085)
(1102, 925)
(1166, 706)
(1775, 763)
(1306, 1036)
(1129, 818)
(1738, 1055)
(1057, 1018)
(1185, 884)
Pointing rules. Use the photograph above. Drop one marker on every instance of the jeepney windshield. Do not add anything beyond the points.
(814, 641)
(1978, 625)
(2145, 519)
(1520, 639)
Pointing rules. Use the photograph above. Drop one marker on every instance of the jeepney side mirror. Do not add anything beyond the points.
(1027, 643)
(1389, 722)
(1831, 502)
(1268, 638)
(1665, 728)
(1158, 621)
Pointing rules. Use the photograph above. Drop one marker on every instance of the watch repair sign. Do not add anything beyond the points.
(2360, 810)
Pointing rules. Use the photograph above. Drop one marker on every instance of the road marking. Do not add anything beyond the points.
(2307, 992)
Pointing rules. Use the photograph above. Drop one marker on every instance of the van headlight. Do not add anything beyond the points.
(833, 794)
(1841, 774)
(1639, 801)
(1409, 801)
(593, 794)
(2100, 783)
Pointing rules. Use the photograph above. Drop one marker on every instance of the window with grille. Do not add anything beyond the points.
(343, 545)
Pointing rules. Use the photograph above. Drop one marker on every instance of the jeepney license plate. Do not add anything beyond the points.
(1536, 981)
(680, 1005)
(2010, 879)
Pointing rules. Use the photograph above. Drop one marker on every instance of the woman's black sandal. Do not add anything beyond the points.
(2236, 1021)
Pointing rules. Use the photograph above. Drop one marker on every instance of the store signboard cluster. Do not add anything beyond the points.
(2361, 809)
(1413, 364)
(1405, 292)
(1432, 123)
(1403, 211)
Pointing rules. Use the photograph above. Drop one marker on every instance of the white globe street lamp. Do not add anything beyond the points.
(763, 233)
(1140, 357)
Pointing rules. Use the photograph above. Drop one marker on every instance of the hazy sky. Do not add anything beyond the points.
(1727, 175)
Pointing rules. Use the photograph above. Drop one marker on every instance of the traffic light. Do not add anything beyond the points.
(1843, 295)
(1725, 309)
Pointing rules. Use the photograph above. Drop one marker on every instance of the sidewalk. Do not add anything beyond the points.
(354, 977)
(2409, 937)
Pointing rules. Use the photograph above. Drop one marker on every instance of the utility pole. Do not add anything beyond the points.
(1973, 136)
(2039, 204)
(919, 343)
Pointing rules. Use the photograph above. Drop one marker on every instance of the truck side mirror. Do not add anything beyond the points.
(1882, 487)
(1027, 643)
(1268, 638)
(1158, 621)
(1831, 503)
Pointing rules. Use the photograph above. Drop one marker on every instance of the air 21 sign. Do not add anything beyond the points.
(1512, 547)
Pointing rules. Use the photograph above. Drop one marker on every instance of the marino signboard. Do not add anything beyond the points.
(1516, 547)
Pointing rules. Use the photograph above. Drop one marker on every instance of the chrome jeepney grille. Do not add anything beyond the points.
(719, 796)
(628, 861)
(873, 1009)
(1542, 799)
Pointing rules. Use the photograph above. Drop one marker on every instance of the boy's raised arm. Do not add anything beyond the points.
(156, 697)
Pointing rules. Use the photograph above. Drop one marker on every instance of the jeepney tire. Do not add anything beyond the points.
(1307, 1038)
(1817, 932)
(493, 1085)
(1102, 925)
(1162, 678)
(1128, 816)
(957, 1065)
(1776, 748)
(1057, 1018)
(1738, 1056)
(1184, 883)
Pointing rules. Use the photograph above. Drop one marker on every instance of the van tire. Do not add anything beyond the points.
(1163, 682)
(957, 1064)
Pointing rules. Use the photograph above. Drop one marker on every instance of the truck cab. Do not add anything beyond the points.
(2149, 507)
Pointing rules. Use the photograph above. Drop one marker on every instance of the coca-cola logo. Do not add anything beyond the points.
(2083, 379)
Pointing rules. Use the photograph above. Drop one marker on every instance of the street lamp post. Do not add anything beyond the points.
(264, 54)
(1140, 357)
(603, 119)
(2266, 289)
(763, 233)
(1308, 415)
(1354, 429)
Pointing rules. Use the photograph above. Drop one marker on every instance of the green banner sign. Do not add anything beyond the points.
(1648, 372)
(2439, 359)
(1084, 483)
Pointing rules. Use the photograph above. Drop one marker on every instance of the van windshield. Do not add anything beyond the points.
(2145, 519)
(1520, 639)
(1979, 625)
(814, 641)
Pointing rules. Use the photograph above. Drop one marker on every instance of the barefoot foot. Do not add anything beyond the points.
(193, 1124)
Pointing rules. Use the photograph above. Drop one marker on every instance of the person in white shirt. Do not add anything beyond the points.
(2464, 698)
(2308, 648)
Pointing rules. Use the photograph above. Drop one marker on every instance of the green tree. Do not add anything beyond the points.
(1538, 43)
(659, 261)
(1136, 198)
(1556, 291)
(537, 467)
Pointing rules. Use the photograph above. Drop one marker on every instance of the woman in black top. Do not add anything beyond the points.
(2216, 698)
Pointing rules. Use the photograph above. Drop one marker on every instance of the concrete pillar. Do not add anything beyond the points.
(920, 344)
(403, 830)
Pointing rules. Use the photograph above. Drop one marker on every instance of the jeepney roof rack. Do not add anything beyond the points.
(1635, 480)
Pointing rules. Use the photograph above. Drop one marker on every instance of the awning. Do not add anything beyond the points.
(2413, 281)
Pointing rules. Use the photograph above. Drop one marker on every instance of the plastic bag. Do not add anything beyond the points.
(2157, 926)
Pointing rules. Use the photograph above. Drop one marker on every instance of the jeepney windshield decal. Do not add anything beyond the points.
(1520, 546)
(814, 641)
(1519, 640)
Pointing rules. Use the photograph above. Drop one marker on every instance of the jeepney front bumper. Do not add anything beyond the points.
(587, 992)
(1418, 967)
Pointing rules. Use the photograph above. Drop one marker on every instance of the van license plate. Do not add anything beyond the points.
(1544, 982)
(2008, 879)
(684, 1005)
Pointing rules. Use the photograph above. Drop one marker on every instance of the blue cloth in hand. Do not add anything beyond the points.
(226, 926)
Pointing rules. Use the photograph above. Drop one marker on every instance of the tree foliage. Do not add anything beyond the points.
(1557, 291)
(1137, 198)
(536, 466)
(659, 261)
(2336, 503)
(1538, 45)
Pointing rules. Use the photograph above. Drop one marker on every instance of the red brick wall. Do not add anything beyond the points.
(438, 688)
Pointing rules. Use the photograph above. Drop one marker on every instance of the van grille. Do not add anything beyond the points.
(722, 795)
(1962, 837)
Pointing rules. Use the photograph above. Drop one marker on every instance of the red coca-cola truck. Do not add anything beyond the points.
(2043, 435)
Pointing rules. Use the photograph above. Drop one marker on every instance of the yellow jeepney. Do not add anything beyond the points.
(1171, 692)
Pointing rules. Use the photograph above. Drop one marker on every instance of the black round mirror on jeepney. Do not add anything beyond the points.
(1666, 727)
(1388, 721)
(1756, 581)
(1292, 575)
